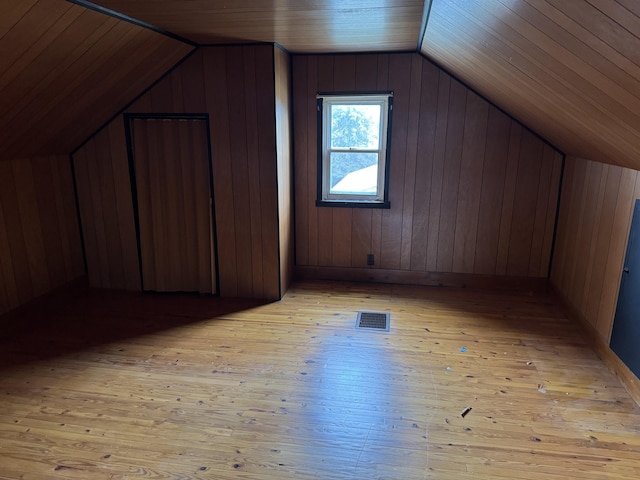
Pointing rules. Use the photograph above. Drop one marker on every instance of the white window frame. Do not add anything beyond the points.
(381, 198)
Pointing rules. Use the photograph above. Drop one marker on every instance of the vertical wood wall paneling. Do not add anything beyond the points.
(87, 219)
(52, 239)
(250, 126)
(31, 227)
(106, 209)
(470, 187)
(218, 101)
(240, 170)
(235, 86)
(392, 219)
(492, 192)
(124, 205)
(8, 290)
(524, 209)
(67, 208)
(471, 190)
(552, 211)
(312, 82)
(451, 175)
(186, 221)
(193, 91)
(593, 228)
(172, 181)
(325, 75)
(40, 247)
(626, 196)
(202, 203)
(437, 172)
(267, 161)
(504, 241)
(424, 170)
(344, 80)
(411, 155)
(366, 72)
(593, 295)
(383, 84)
(540, 219)
(15, 260)
(301, 102)
(104, 166)
(282, 65)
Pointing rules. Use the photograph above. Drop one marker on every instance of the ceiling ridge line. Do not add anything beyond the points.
(426, 13)
(126, 18)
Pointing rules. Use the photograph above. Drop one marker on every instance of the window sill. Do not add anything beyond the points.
(351, 204)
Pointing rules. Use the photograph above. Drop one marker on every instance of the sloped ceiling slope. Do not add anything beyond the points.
(569, 69)
(298, 25)
(64, 70)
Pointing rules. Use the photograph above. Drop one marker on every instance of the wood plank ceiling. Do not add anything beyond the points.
(569, 69)
(298, 25)
(64, 70)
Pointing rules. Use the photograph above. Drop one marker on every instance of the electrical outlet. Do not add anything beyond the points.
(370, 259)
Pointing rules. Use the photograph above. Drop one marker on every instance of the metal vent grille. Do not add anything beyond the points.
(373, 320)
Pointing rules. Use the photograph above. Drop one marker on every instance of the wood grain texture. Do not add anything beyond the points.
(235, 86)
(64, 70)
(568, 70)
(471, 191)
(297, 25)
(594, 221)
(40, 247)
(102, 171)
(226, 389)
(171, 159)
(284, 138)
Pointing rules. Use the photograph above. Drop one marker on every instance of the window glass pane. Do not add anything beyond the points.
(355, 126)
(353, 172)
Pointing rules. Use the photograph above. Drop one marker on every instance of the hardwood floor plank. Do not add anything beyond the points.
(128, 385)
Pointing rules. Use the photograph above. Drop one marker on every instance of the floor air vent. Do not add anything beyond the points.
(373, 320)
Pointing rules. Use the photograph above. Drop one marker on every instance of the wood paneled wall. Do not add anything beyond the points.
(106, 210)
(568, 69)
(471, 190)
(282, 66)
(236, 87)
(593, 228)
(173, 193)
(40, 246)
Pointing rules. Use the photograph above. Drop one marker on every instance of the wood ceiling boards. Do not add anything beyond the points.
(300, 26)
(64, 70)
(568, 69)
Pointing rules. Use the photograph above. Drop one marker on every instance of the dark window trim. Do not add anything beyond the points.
(386, 204)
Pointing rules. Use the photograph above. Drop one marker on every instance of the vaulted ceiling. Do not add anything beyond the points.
(65, 70)
(569, 69)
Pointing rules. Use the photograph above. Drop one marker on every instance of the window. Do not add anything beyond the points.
(353, 146)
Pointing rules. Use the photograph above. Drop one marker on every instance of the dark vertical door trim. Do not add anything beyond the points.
(214, 229)
(555, 222)
(78, 216)
(128, 121)
(128, 126)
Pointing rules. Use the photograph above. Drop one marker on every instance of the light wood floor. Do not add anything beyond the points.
(128, 386)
